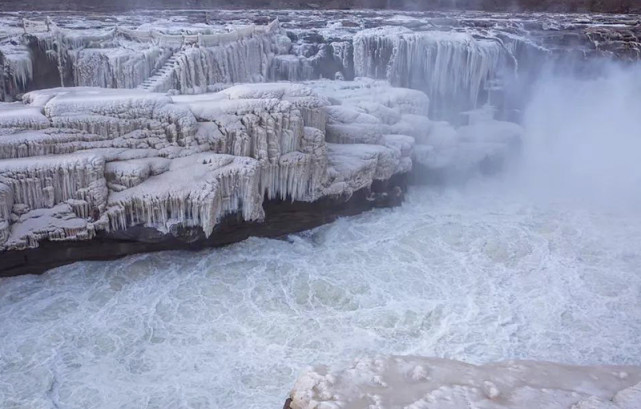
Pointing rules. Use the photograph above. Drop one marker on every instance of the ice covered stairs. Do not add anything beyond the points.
(162, 75)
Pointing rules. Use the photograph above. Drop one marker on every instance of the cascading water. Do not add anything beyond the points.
(476, 275)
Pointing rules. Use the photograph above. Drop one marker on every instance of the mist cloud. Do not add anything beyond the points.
(584, 138)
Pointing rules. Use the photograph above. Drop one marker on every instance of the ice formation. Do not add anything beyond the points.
(145, 100)
(447, 65)
(290, 141)
(153, 60)
(75, 161)
(459, 60)
(425, 383)
(193, 191)
(131, 157)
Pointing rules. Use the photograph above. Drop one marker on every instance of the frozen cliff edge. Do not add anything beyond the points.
(459, 60)
(78, 164)
(86, 163)
(422, 383)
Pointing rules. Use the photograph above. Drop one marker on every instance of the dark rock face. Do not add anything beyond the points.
(281, 218)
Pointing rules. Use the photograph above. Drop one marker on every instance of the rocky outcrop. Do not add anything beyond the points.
(422, 383)
(107, 165)
(82, 163)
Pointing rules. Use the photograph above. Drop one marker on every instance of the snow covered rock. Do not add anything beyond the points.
(429, 383)
(55, 198)
(355, 166)
(50, 180)
(17, 115)
(77, 161)
(267, 122)
(192, 191)
(126, 174)
(365, 91)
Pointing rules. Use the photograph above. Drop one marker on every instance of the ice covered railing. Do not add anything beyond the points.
(210, 40)
(37, 26)
(201, 60)
(205, 40)
(243, 55)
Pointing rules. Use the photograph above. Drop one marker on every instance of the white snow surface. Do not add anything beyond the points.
(17, 115)
(427, 383)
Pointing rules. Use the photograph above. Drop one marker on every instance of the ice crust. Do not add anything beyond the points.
(153, 60)
(149, 100)
(458, 60)
(414, 382)
(449, 66)
(75, 161)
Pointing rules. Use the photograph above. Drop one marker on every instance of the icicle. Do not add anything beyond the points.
(447, 65)
(195, 191)
(54, 179)
(6, 204)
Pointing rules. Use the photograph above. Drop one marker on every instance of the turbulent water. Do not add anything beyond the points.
(468, 273)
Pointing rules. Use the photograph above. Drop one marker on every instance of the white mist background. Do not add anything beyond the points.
(583, 139)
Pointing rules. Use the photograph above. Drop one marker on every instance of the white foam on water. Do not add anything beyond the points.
(475, 274)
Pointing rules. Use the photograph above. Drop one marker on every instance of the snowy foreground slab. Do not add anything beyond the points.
(431, 383)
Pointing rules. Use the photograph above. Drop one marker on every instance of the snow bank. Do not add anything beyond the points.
(421, 383)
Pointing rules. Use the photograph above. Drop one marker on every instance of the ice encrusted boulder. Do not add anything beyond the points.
(367, 112)
(77, 161)
(429, 383)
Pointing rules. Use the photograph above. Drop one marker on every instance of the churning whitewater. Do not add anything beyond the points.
(467, 273)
